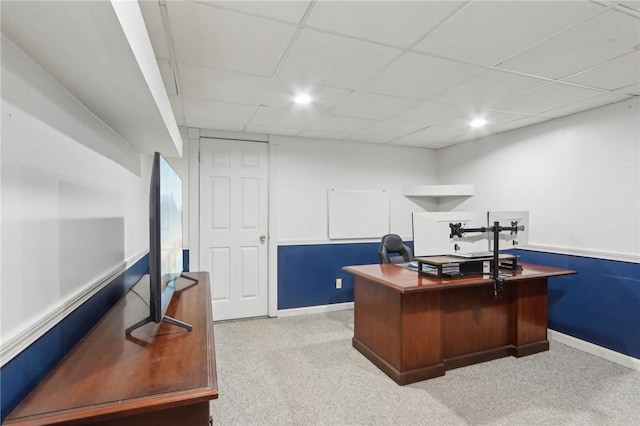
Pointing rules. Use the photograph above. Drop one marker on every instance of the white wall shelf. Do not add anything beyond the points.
(439, 190)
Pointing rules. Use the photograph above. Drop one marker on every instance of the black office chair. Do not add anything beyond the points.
(394, 250)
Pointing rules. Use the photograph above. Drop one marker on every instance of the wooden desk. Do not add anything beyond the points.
(416, 327)
(160, 375)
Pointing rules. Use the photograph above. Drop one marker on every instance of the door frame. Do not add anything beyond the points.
(194, 140)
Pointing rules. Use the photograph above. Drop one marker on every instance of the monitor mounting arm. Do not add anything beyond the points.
(458, 230)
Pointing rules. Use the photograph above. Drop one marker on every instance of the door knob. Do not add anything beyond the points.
(263, 238)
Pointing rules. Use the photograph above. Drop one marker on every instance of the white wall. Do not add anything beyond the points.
(74, 196)
(577, 175)
(306, 169)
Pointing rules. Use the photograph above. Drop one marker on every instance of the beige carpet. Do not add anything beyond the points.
(303, 371)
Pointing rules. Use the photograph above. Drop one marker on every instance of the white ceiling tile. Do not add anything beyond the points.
(288, 11)
(221, 39)
(516, 124)
(416, 118)
(612, 75)
(452, 141)
(220, 85)
(602, 100)
(330, 60)
(420, 76)
(386, 130)
(634, 5)
(426, 114)
(167, 77)
(270, 130)
(487, 89)
(281, 93)
(368, 138)
(381, 21)
(633, 89)
(295, 118)
(216, 115)
(546, 98)
(487, 32)
(317, 134)
(155, 27)
(371, 106)
(337, 124)
(494, 118)
(599, 39)
(430, 134)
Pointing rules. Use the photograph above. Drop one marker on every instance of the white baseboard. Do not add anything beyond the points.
(599, 351)
(315, 309)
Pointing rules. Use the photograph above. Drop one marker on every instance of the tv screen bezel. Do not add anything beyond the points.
(161, 291)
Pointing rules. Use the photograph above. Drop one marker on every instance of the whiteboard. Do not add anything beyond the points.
(358, 214)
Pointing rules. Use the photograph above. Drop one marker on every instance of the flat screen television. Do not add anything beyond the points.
(165, 241)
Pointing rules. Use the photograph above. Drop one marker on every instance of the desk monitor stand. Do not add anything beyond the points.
(458, 230)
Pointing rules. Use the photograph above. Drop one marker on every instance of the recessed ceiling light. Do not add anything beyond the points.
(302, 99)
(478, 122)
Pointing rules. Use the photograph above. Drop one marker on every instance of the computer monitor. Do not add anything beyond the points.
(509, 240)
(431, 233)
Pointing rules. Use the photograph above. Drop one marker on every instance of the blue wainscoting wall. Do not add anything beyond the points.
(601, 304)
(20, 375)
(307, 273)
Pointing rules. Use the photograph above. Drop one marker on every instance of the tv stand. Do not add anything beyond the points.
(177, 322)
(189, 278)
(165, 318)
(112, 380)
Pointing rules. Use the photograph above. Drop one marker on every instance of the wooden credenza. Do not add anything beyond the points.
(159, 375)
(415, 327)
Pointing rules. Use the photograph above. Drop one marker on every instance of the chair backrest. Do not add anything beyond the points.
(394, 250)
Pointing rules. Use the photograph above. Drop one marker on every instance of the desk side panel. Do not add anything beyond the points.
(474, 321)
(531, 307)
(421, 330)
(377, 320)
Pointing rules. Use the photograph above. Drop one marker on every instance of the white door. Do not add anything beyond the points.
(233, 225)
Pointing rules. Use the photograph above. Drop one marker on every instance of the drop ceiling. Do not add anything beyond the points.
(411, 73)
(392, 72)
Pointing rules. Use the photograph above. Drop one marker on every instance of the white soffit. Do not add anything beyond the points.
(101, 58)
